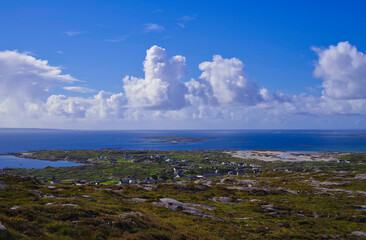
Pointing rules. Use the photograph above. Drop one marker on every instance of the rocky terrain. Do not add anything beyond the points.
(308, 205)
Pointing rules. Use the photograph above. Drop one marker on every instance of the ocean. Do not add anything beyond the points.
(19, 140)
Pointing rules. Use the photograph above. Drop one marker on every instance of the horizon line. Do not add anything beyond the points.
(228, 129)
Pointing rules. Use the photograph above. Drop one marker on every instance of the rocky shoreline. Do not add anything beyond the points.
(52, 159)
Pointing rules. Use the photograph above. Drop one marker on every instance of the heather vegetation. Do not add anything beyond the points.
(267, 200)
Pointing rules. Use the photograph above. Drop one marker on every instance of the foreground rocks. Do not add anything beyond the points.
(306, 205)
(3, 185)
(185, 207)
(4, 233)
(359, 234)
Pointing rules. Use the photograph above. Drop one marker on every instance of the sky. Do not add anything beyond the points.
(183, 64)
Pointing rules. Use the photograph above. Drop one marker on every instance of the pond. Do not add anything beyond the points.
(8, 161)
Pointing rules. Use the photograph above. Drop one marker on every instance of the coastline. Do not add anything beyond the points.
(288, 156)
(52, 159)
(254, 154)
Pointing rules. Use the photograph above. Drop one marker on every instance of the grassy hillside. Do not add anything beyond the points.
(280, 200)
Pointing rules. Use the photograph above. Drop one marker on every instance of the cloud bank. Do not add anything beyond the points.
(222, 92)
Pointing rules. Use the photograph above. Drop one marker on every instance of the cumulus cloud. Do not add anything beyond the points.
(343, 70)
(153, 27)
(60, 105)
(103, 105)
(79, 89)
(223, 81)
(199, 93)
(25, 80)
(222, 92)
(162, 87)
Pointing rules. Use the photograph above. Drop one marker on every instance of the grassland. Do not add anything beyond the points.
(269, 200)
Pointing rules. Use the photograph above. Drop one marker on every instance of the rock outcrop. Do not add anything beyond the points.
(185, 207)
(4, 232)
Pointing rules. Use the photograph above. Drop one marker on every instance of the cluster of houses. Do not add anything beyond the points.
(133, 180)
(344, 161)
(178, 172)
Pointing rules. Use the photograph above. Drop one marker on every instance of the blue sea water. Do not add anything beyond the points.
(14, 162)
(18, 140)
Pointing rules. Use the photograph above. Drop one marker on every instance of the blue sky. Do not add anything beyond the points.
(100, 42)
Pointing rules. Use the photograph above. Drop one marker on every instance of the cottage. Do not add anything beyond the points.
(232, 173)
(123, 181)
(177, 170)
(148, 180)
(211, 175)
(179, 176)
(256, 170)
(191, 177)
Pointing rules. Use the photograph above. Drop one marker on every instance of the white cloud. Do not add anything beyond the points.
(225, 80)
(343, 70)
(79, 89)
(162, 87)
(221, 94)
(60, 105)
(153, 27)
(183, 20)
(25, 81)
(101, 106)
(72, 33)
(199, 93)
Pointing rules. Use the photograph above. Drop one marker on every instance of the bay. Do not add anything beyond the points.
(8, 161)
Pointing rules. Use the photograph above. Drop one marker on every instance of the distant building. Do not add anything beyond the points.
(179, 176)
(206, 175)
(231, 173)
(178, 170)
(256, 170)
(123, 182)
(191, 177)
